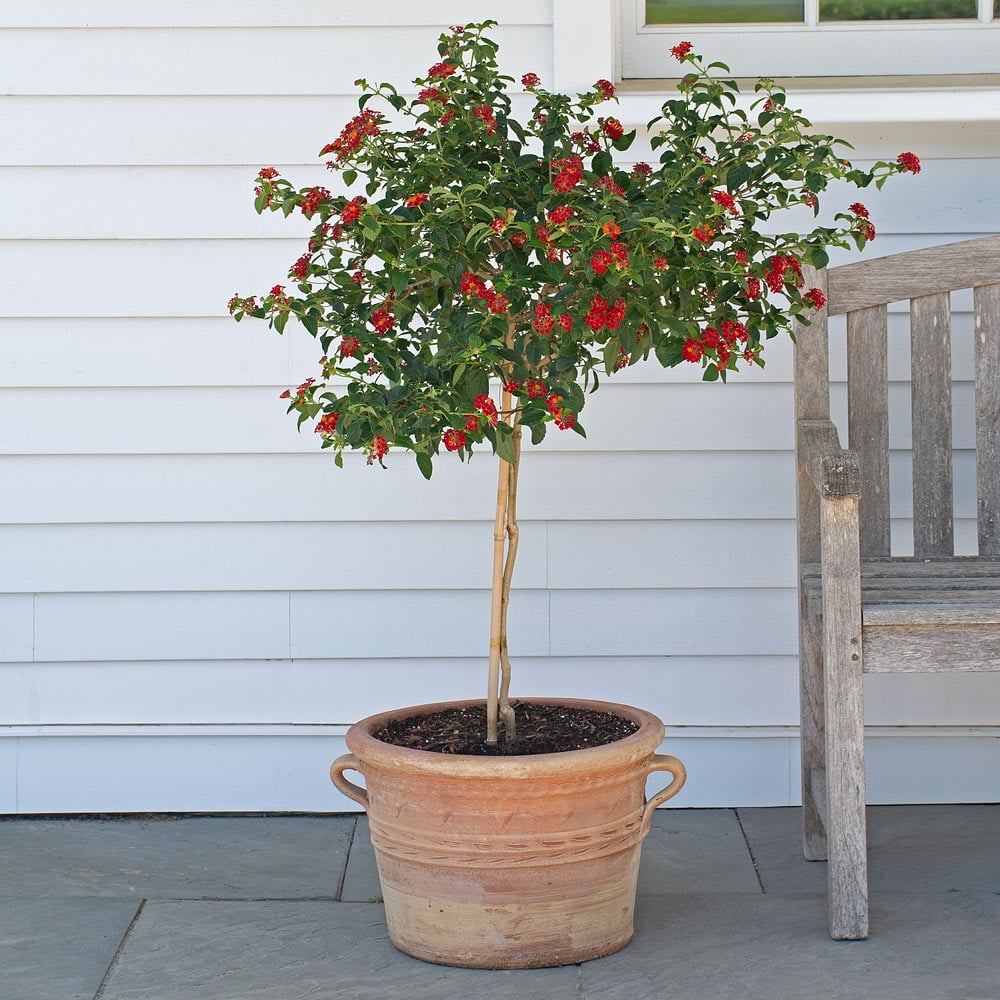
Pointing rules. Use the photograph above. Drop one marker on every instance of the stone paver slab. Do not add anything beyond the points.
(696, 850)
(59, 949)
(234, 857)
(767, 947)
(297, 951)
(927, 848)
(361, 882)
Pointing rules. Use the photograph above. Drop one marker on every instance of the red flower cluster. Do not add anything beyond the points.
(620, 253)
(415, 199)
(498, 225)
(300, 269)
(910, 162)
(485, 112)
(543, 321)
(360, 127)
(349, 347)
(569, 173)
(733, 332)
(741, 257)
(564, 419)
(267, 173)
(605, 88)
(641, 170)
(566, 322)
(660, 263)
(440, 71)
(858, 209)
(472, 285)
(601, 316)
(560, 214)
(447, 117)
(535, 388)
(311, 200)
(431, 94)
(327, 423)
(383, 320)
(485, 405)
(609, 185)
(692, 350)
(612, 127)
(703, 234)
(453, 439)
(518, 239)
(815, 298)
(351, 212)
(601, 261)
(753, 288)
(611, 229)
(379, 448)
(530, 80)
(681, 49)
(726, 201)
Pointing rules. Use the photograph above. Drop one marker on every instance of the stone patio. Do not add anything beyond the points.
(287, 908)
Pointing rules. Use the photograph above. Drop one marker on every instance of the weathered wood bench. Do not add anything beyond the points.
(861, 609)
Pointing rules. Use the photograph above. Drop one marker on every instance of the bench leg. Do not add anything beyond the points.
(844, 695)
(811, 739)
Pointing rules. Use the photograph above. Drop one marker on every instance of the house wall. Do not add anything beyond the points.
(194, 603)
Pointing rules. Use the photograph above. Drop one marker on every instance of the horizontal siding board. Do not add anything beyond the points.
(109, 278)
(342, 691)
(267, 13)
(689, 417)
(16, 627)
(215, 351)
(161, 626)
(673, 622)
(412, 623)
(553, 486)
(215, 202)
(236, 61)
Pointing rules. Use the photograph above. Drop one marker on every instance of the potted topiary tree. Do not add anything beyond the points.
(491, 274)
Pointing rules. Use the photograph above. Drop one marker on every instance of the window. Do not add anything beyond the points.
(815, 38)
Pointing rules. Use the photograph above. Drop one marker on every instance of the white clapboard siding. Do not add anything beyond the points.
(268, 14)
(216, 202)
(237, 61)
(115, 352)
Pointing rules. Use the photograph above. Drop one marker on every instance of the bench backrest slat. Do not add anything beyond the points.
(930, 379)
(868, 422)
(987, 336)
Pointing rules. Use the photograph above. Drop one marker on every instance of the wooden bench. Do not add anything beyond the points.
(861, 609)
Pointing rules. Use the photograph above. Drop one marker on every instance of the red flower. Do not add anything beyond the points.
(267, 173)
(560, 214)
(775, 280)
(472, 423)
(351, 212)
(378, 449)
(620, 253)
(815, 298)
(361, 126)
(552, 404)
(704, 234)
(566, 321)
(611, 229)
(726, 200)
(681, 49)
(327, 423)
(518, 239)
(858, 209)
(440, 71)
(868, 229)
(286, 394)
(612, 128)
(498, 225)
(601, 261)
(498, 303)
(606, 89)
(692, 350)
(535, 388)
(597, 316)
(415, 199)
(485, 405)
(311, 200)
(382, 320)
(710, 337)
(724, 354)
(485, 112)
(512, 387)
(300, 269)
(609, 185)
(447, 117)
(641, 170)
(910, 162)
(530, 80)
(565, 420)
(741, 257)
(543, 321)
(429, 94)
(472, 284)
(349, 347)
(357, 277)
(753, 288)
(569, 173)
(733, 332)
(616, 314)
(661, 264)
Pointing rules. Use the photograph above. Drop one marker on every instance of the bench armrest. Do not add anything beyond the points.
(832, 470)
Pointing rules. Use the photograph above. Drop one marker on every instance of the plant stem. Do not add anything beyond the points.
(506, 712)
(496, 608)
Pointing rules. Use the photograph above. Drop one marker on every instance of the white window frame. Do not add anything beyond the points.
(588, 43)
(815, 49)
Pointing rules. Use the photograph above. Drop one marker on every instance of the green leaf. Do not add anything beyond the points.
(350, 176)
(309, 322)
(505, 443)
(602, 163)
(625, 141)
(711, 374)
(425, 464)
(818, 257)
(538, 432)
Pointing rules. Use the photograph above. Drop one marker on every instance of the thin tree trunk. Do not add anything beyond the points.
(506, 712)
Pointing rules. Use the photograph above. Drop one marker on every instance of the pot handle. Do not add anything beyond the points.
(348, 762)
(663, 762)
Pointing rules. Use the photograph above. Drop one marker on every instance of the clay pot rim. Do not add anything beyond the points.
(635, 747)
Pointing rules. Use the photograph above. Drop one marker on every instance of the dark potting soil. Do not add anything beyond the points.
(540, 729)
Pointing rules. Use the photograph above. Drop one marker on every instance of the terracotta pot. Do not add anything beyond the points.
(508, 862)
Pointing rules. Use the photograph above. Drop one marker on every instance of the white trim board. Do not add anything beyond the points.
(79, 769)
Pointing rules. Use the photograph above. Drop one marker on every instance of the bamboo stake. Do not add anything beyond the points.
(506, 712)
(496, 608)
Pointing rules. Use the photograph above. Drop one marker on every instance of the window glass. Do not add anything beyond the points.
(895, 10)
(724, 11)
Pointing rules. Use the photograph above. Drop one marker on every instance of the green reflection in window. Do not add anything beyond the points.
(723, 11)
(896, 10)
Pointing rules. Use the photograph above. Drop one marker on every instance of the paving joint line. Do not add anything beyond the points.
(753, 860)
(116, 957)
(347, 861)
